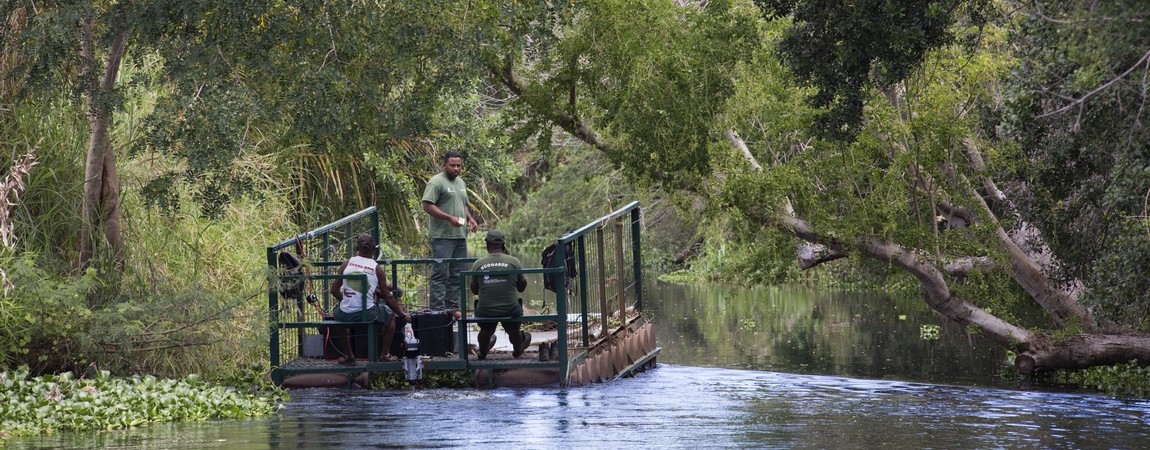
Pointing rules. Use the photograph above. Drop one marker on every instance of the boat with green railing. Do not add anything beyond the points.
(594, 332)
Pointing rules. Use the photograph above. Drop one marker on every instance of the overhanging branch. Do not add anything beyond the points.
(568, 121)
(1063, 308)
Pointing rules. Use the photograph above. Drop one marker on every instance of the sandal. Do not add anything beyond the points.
(388, 358)
(347, 361)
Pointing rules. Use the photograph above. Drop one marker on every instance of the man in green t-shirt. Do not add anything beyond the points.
(499, 295)
(445, 201)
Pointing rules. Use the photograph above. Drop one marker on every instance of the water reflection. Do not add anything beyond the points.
(800, 330)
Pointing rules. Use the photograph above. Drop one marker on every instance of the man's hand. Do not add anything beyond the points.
(472, 225)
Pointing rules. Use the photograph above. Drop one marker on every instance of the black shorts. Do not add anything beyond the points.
(508, 326)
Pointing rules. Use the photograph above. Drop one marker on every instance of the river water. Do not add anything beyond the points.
(759, 367)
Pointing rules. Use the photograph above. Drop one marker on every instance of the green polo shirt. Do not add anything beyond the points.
(498, 294)
(451, 197)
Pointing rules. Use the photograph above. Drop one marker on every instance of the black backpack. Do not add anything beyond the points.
(290, 264)
(548, 261)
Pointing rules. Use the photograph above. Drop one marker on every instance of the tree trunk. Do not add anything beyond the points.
(1036, 351)
(100, 209)
(1081, 351)
(1062, 306)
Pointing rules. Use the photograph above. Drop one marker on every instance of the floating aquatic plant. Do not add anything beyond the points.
(62, 402)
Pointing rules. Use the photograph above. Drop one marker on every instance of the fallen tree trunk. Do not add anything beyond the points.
(1044, 352)
(1035, 351)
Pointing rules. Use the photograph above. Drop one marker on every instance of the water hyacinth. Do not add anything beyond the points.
(63, 402)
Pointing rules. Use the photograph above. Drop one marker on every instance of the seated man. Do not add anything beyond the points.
(351, 301)
(498, 295)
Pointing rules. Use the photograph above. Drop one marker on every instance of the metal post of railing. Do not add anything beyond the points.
(463, 329)
(585, 313)
(273, 313)
(461, 336)
(637, 257)
(326, 242)
(375, 230)
(561, 309)
(372, 328)
(395, 283)
(620, 285)
(601, 262)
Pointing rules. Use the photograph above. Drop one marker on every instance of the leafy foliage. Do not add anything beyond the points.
(43, 213)
(862, 188)
(844, 49)
(1129, 380)
(585, 187)
(1077, 109)
(552, 209)
(653, 76)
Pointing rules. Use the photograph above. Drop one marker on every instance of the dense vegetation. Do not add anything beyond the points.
(990, 153)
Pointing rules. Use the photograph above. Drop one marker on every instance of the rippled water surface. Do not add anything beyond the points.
(761, 368)
(672, 406)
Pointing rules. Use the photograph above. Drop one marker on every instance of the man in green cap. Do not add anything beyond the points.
(499, 295)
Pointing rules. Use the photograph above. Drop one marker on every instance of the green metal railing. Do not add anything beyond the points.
(597, 258)
(340, 233)
(412, 267)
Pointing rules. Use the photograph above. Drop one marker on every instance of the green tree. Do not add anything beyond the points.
(1076, 105)
(915, 188)
(331, 90)
(229, 88)
(845, 49)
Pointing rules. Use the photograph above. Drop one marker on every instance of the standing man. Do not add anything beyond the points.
(445, 201)
(499, 295)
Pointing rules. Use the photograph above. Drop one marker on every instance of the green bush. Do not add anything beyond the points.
(1128, 380)
(46, 319)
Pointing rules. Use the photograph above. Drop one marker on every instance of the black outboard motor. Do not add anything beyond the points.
(412, 363)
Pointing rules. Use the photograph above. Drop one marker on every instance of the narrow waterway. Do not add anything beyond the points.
(808, 331)
(761, 368)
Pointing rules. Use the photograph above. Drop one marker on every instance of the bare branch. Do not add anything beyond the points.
(963, 266)
(1060, 305)
(567, 121)
(939, 296)
(811, 255)
(937, 293)
(1080, 101)
(742, 147)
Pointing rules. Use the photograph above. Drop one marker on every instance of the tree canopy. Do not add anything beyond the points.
(1076, 106)
(916, 183)
(993, 152)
